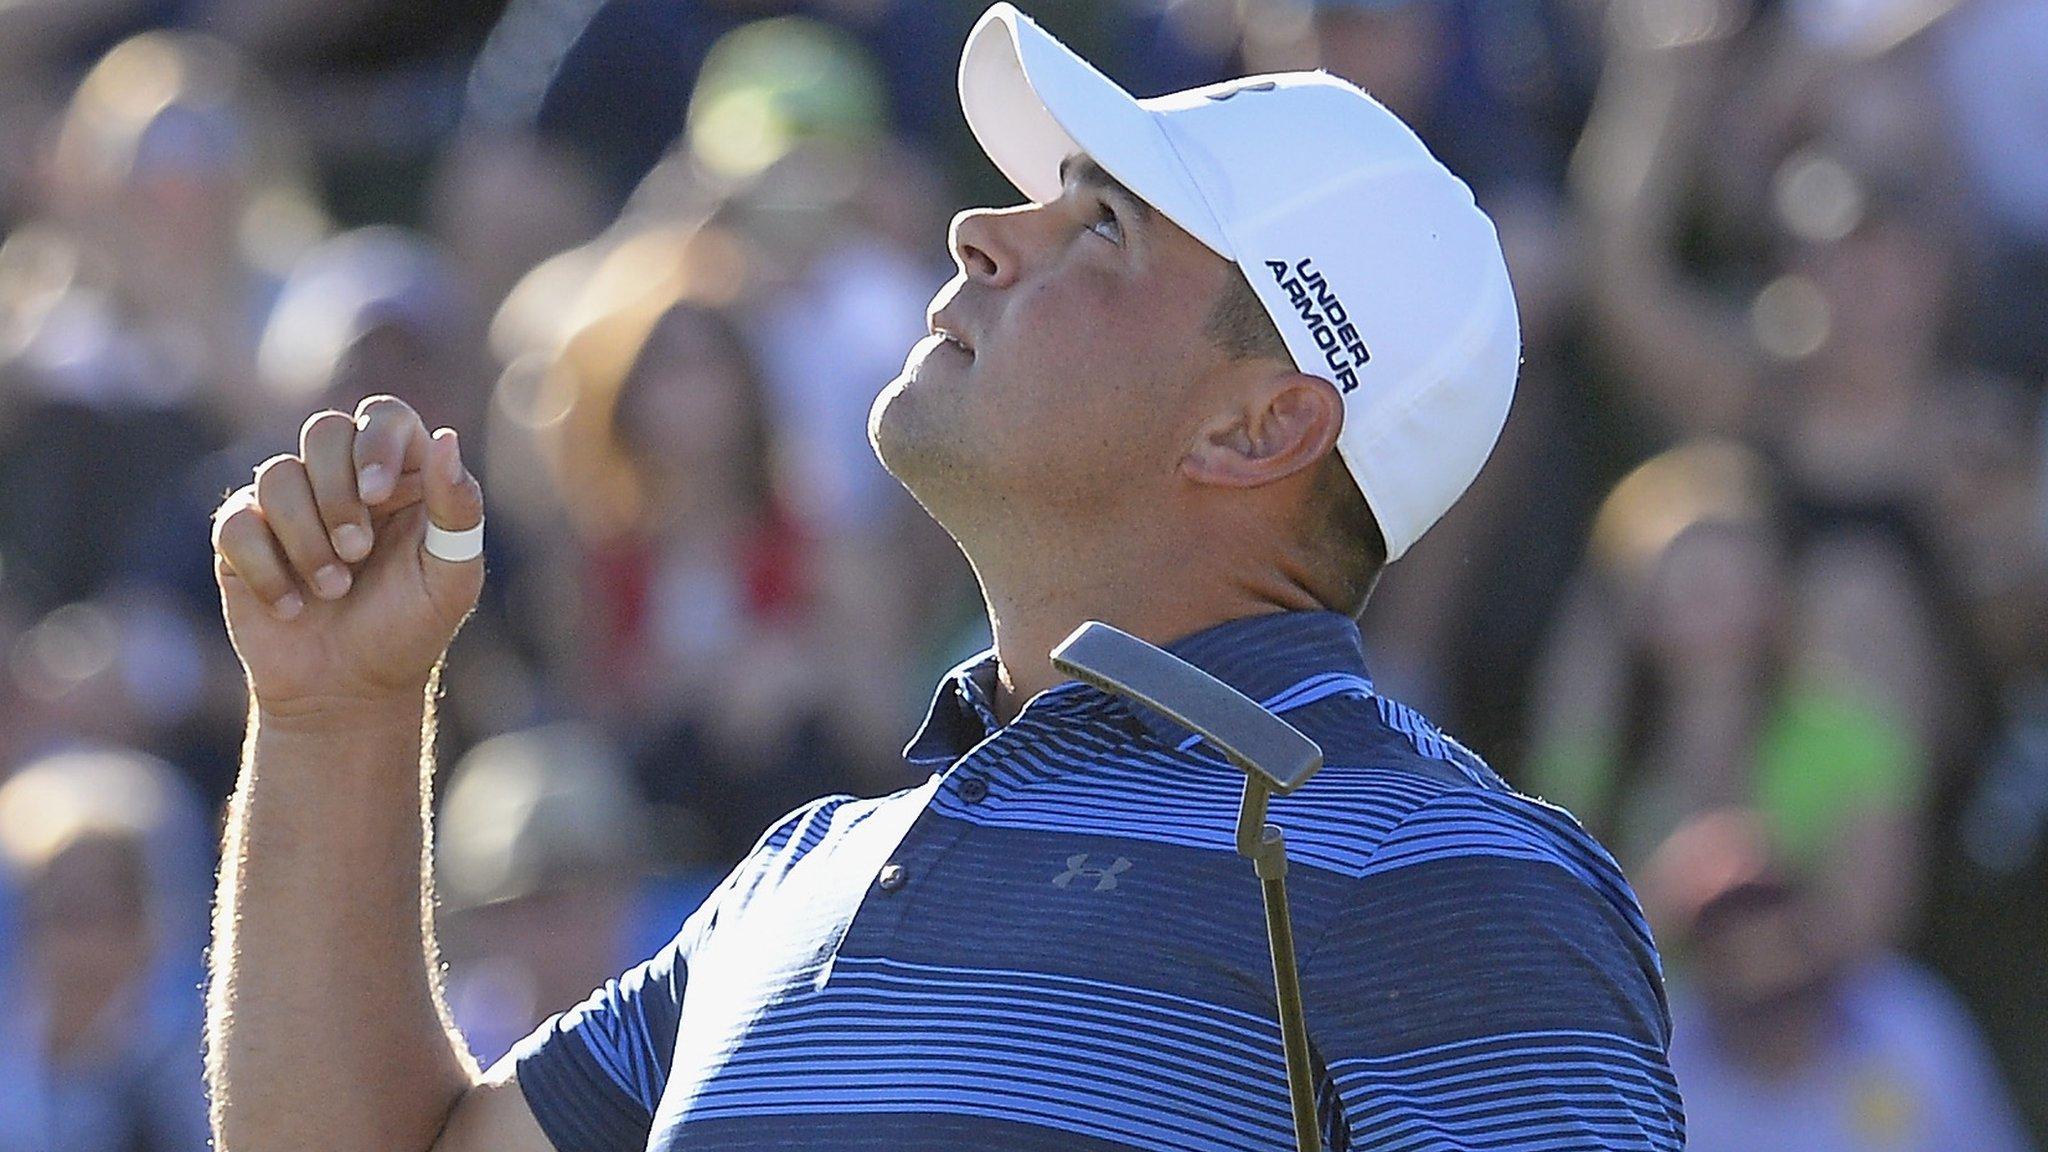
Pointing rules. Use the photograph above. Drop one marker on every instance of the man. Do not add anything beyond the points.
(1050, 944)
(96, 1038)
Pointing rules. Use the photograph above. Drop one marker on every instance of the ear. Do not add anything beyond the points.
(1280, 423)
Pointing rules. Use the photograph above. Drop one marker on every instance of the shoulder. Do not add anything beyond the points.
(1358, 725)
(1517, 859)
(1402, 791)
(1505, 905)
(1449, 801)
(1499, 824)
(813, 825)
(1449, 833)
(1458, 864)
(1480, 916)
(815, 828)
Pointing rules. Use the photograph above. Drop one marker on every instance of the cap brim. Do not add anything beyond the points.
(1032, 103)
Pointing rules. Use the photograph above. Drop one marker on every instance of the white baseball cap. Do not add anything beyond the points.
(1381, 273)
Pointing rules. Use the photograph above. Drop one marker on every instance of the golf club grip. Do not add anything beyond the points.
(1252, 738)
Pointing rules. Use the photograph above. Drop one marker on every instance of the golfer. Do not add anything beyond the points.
(1242, 347)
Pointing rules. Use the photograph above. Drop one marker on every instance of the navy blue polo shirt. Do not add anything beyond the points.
(1052, 944)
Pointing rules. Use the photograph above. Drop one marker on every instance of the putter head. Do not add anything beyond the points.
(1251, 737)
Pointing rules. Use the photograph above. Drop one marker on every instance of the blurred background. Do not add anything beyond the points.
(1754, 583)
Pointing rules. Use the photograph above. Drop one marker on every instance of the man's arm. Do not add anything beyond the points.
(493, 1114)
(1682, 352)
(325, 1025)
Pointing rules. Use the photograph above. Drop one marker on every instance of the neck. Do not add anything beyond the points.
(1155, 587)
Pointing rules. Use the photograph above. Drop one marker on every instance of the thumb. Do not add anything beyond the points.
(454, 502)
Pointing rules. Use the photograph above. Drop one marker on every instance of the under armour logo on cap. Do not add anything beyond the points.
(1105, 878)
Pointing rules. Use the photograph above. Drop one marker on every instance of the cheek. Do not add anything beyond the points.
(1060, 327)
(1092, 334)
(1080, 372)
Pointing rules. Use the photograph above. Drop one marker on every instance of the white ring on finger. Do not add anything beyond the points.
(455, 547)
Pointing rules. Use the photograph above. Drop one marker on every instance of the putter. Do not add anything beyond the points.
(1275, 757)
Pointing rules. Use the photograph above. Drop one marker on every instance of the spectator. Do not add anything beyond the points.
(188, 197)
(1497, 90)
(1838, 361)
(377, 85)
(134, 302)
(96, 1058)
(616, 77)
(1991, 66)
(126, 668)
(1829, 280)
(378, 309)
(694, 624)
(1693, 670)
(500, 202)
(1779, 1046)
(539, 846)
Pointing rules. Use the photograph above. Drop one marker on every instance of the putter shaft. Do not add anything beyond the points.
(1271, 863)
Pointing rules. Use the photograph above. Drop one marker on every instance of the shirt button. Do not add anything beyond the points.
(892, 878)
(974, 789)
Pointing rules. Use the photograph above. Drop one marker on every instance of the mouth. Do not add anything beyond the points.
(950, 331)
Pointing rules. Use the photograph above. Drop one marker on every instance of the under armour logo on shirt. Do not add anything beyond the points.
(1105, 878)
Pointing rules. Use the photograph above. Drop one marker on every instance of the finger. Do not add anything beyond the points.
(285, 497)
(327, 445)
(390, 440)
(455, 501)
(243, 543)
(234, 589)
(411, 490)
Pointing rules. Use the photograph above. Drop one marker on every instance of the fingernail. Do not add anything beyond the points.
(453, 468)
(373, 483)
(289, 606)
(352, 542)
(331, 581)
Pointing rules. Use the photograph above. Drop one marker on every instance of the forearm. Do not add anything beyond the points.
(325, 1024)
(1629, 170)
(1681, 348)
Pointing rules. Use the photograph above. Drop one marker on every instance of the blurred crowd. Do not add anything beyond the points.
(1754, 583)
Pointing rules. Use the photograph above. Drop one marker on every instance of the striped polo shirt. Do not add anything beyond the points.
(1052, 945)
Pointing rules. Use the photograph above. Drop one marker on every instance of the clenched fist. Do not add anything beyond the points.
(330, 595)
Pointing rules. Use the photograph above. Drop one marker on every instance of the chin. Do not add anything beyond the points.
(884, 416)
(918, 430)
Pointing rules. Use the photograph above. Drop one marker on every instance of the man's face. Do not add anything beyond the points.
(1065, 369)
(87, 927)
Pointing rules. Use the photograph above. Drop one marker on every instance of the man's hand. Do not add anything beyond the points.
(330, 597)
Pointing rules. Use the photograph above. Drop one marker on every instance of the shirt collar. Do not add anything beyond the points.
(962, 714)
(1283, 660)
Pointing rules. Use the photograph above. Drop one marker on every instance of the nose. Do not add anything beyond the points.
(983, 241)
